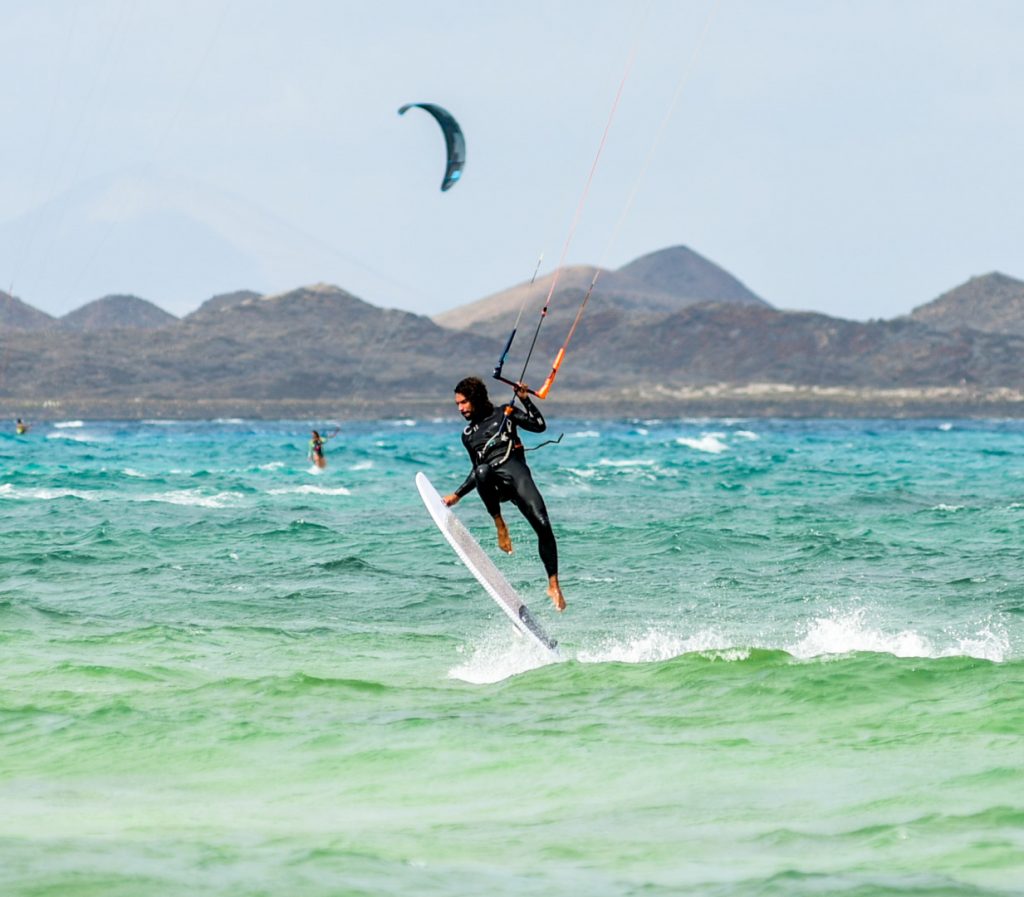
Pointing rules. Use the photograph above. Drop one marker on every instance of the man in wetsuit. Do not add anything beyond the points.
(499, 468)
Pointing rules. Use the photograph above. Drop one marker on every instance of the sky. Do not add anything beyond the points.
(855, 158)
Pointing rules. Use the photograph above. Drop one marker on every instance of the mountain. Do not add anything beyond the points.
(117, 311)
(18, 315)
(312, 342)
(716, 343)
(663, 281)
(220, 302)
(321, 347)
(681, 273)
(993, 303)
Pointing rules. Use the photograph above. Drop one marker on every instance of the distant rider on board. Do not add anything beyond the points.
(499, 468)
(316, 448)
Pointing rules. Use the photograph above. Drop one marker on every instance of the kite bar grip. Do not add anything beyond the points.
(513, 384)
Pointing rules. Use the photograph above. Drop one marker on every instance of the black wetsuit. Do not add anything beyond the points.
(500, 472)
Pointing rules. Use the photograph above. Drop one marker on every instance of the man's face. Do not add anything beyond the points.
(464, 405)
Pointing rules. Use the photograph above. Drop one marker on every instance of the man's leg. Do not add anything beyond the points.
(489, 487)
(526, 496)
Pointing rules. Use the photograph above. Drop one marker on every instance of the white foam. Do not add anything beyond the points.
(708, 442)
(585, 434)
(945, 507)
(228, 420)
(310, 490)
(76, 437)
(834, 636)
(273, 465)
(9, 490)
(362, 465)
(132, 472)
(626, 462)
(746, 434)
(946, 427)
(849, 632)
(656, 645)
(986, 645)
(190, 498)
(69, 424)
(502, 653)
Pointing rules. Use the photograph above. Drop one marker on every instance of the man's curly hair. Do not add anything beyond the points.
(474, 389)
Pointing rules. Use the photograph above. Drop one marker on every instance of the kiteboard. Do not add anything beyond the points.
(481, 566)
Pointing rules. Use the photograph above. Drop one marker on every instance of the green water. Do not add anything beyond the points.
(792, 663)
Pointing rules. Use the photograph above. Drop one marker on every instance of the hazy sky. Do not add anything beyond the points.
(856, 158)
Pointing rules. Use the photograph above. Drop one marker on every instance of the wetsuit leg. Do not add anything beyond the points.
(525, 495)
(489, 486)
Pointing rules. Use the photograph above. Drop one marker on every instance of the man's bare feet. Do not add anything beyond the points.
(504, 539)
(555, 593)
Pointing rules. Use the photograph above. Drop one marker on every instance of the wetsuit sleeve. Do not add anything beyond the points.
(530, 418)
(469, 484)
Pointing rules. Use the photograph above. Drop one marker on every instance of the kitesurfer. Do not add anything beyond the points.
(499, 469)
(316, 448)
(20, 427)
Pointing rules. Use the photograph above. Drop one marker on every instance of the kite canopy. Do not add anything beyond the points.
(453, 139)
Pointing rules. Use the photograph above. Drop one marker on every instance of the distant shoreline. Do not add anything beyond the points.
(764, 400)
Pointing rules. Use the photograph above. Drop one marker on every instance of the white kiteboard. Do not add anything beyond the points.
(481, 566)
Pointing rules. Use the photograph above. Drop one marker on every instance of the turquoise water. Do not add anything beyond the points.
(792, 664)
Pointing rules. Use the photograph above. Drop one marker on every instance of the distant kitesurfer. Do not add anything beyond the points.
(499, 468)
(20, 427)
(316, 448)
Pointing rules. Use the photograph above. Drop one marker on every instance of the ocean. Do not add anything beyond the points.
(792, 663)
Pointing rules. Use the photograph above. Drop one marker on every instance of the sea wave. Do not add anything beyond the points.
(189, 498)
(838, 634)
(708, 442)
(851, 631)
(309, 490)
(626, 462)
(41, 493)
(498, 657)
(78, 437)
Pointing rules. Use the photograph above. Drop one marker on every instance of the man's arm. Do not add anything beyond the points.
(530, 418)
(468, 484)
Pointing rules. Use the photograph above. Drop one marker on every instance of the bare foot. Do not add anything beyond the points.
(555, 593)
(504, 539)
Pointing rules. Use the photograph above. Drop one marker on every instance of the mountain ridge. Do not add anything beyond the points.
(664, 280)
(320, 344)
(992, 302)
(119, 310)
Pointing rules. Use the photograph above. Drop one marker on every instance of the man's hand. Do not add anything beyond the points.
(450, 500)
(522, 390)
